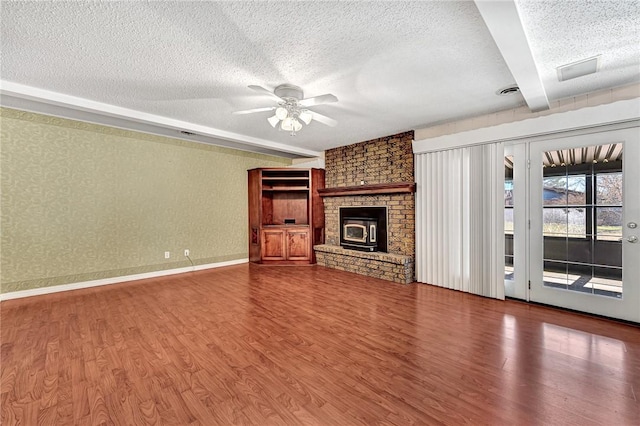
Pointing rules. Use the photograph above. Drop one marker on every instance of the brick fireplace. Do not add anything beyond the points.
(378, 172)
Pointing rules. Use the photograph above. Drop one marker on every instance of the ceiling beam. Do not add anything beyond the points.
(504, 24)
(14, 95)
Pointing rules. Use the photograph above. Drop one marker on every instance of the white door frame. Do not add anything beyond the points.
(627, 308)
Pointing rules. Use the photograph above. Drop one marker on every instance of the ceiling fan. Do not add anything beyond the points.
(291, 110)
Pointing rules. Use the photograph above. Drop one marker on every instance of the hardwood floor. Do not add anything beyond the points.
(254, 344)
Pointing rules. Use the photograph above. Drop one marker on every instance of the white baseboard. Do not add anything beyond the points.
(115, 280)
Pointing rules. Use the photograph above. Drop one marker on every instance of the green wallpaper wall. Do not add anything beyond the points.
(81, 201)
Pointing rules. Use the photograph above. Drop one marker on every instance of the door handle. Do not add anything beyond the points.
(632, 239)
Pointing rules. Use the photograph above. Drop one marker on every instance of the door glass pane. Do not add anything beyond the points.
(564, 222)
(508, 220)
(582, 219)
(509, 273)
(609, 223)
(605, 282)
(609, 189)
(564, 190)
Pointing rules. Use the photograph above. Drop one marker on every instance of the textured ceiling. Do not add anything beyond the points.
(563, 32)
(394, 66)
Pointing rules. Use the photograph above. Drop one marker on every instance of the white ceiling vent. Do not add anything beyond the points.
(578, 69)
(509, 90)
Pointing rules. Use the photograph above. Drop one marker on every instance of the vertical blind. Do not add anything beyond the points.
(460, 219)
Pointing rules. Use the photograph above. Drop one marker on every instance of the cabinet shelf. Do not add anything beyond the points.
(286, 188)
(285, 174)
(265, 178)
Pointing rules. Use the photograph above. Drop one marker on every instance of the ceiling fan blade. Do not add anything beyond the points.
(265, 91)
(324, 119)
(318, 100)
(251, 111)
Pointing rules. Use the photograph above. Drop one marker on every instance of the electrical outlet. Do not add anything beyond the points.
(186, 252)
(167, 255)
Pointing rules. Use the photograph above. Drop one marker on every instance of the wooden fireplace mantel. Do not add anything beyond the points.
(374, 189)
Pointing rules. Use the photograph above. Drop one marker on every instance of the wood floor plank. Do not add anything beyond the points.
(252, 344)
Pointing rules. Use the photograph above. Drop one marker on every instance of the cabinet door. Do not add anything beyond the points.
(298, 247)
(273, 244)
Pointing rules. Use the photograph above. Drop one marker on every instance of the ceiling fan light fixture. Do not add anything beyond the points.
(281, 113)
(273, 120)
(287, 124)
(291, 111)
(306, 116)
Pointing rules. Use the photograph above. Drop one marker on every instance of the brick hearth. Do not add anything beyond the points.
(386, 266)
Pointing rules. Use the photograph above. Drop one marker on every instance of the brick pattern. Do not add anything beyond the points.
(385, 266)
(383, 160)
(400, 225)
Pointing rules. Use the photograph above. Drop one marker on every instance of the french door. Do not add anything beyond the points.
(576, 222)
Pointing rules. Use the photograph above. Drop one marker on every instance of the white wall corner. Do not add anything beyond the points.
(304, 163)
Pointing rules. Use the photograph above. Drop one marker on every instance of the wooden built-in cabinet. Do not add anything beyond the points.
(286, 214)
